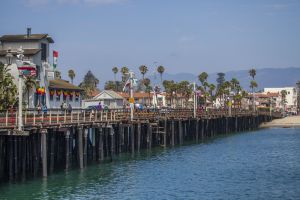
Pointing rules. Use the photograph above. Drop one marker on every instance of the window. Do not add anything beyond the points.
(71, 97)
(64, 97)
(43, 51)
(57, 97)
(51, 97)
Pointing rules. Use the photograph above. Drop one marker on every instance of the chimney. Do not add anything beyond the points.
(28, 32)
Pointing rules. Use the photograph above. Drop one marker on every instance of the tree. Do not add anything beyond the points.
(171, 88)
(115, 70)
(185, 89)
(203, 80)
(212, 87)
(89, 84)
(253, 84)
(221, 79)
(29, 83)
(124, 71)
(148, 88)
(71, 74)
(283, 98)
(143, 69)
(252, 73)
(160, 70)
(8, 90)
(109, 85)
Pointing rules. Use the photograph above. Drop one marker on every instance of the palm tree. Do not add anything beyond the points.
(283, 99)
(124, 71)
(143, 69)
(160, 70)
(71, 74)
(148, 89)
(252, 73)
(115, 70)
(253, 85)
(29, 83)
(203, 80)
(212, 87)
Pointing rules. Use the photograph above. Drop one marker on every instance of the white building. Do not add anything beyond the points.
(291, 97)
(36, 49)
(107, 98)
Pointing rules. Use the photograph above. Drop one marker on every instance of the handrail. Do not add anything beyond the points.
(33, 117)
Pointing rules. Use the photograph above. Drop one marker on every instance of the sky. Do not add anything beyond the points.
(182, 35)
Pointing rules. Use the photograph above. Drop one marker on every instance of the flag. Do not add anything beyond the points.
(127, 84)
(55, 56)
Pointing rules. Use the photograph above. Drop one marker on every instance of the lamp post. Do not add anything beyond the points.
(20, 57)
(131, 95)
(230, 103)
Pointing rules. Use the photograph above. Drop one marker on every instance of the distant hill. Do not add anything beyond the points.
(266, 77)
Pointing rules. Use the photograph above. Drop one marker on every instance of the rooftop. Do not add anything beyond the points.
(25, 37)
(63, 84)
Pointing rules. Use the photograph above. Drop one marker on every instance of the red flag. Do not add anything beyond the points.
(55, 53)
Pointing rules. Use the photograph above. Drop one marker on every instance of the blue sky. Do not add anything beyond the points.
(182, 35)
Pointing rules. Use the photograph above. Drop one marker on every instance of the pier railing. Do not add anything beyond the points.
(56, 117)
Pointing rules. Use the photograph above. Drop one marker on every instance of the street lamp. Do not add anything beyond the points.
(231, 94)
(20, 57)
(9, 57)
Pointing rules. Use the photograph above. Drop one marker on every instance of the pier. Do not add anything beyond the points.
(58, 140)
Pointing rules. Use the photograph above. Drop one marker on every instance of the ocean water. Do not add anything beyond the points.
(263, 164)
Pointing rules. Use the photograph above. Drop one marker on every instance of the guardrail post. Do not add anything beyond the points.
(50, 117)
(71, 116)
(84, 116)
(65, 116)
(16, 117)
(57, 117)
(6, 118)
(25, 119)
(33, 118)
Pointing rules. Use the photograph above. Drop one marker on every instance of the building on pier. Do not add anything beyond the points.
(36, 48)
(108, 98)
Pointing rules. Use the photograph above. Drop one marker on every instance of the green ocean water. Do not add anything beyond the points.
(264, 164)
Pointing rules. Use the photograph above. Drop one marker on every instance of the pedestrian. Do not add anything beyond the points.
(70, 108)
(44, 109)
